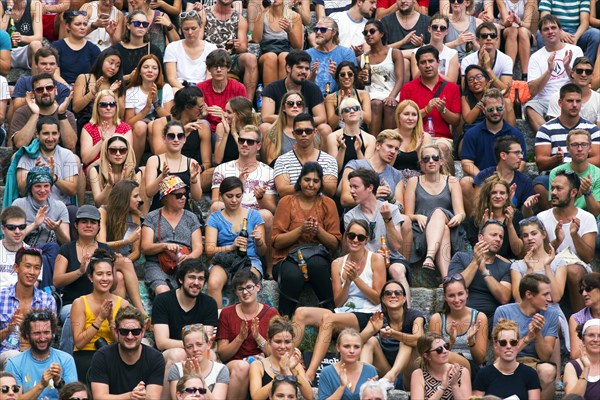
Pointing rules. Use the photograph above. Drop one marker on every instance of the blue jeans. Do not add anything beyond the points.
(67, 343)
(588, 42)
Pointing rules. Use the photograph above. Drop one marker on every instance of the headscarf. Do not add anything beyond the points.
(38, 174)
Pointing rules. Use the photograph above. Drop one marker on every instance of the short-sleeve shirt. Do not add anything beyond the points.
(225, 235)
(5, 42)
(289, 163)
(390, 175)
(261, 176)
(108, 368)
(524, 184)
(42, 234)
(591, 170)
(25, 84)
(555, 134)
(416, 91)
(538, 65)
(514, 386)
(513, 312)
(22, 115)
(567, 12)
(332, 6)
(181, 234)
(192, 71)
(503, 64)
(352, 29)
(396, 32)
(8, 275)
(131, 57)
(310, 91)
(590, 110)
(337, 55)
(212, 98)
(587, 225)
(72, 63)
(329, 382)
(167, 310)
(135, 98)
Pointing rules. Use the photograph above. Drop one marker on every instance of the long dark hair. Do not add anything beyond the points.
(307, 168)
(96, 68)
(383, 289)
(118, 202)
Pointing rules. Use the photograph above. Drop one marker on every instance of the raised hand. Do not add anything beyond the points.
(64, 106)
(33, 107)
(377, 320)
(106, 309)
(574, 226)
(558, 231)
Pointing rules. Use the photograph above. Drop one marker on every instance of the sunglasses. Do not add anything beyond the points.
(389, 293)
(441, 28)
(488, 35)
(126, 332)
(192, 390)
(13, 388)
(457, 1)
(75, 13)
(137, 24)
(297, 103)
(107, 104)
(434, 158)
(13, 227)
(526, 221)
(179, 195)
(582, 71)
(587, 288)
(286, 378)
(371, 31)
(490, 222)
(187, 14)
(347, 74)
(171, 136)
(113, 151)
(451, 278)
(346, 110)
(352, 236)
(504, 342)
(192, 328)
(305, 131)
(439, 349)
(42, 89)
(498, 109)
(249, 142)
(321, 29)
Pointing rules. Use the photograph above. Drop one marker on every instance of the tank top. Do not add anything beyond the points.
(454, 33)
(460, 345)
(517, 8)
(432, 385)
(184, 175)
(407, 160)
(99, 36)
(211, 378)
(231, 150)
(592, 390)
(266, 378)
(191, 147)
(219, 32)
(25, 25)
(350, 150)
(360, 302)
(104, 331)
(427, 202)
(383, 77)
(272, 40)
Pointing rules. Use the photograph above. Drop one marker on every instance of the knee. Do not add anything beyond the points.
(248, 60)
(438, 214)
(575, 272)
(140, 128)
(376, 106)
(546, 372)
(267, 216)
(398, 271)
(239, 369)
(35, 45)
(281, 58)
(268, 58)
(120, 278)
(324, 130)
(174, 355)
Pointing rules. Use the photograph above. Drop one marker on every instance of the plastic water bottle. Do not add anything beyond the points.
(259, 92)
(13, 340)
(429, 126)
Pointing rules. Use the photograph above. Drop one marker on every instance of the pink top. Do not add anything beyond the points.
(94, 132)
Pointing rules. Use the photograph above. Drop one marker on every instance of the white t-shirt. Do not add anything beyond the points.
(503, 64)
(193, 71)
(4, 91)
(352, 30)
(8, 276)
(446, 55)
(136, 98)
(587, 225)
(262, 175)
(538, 64)
(590, 110)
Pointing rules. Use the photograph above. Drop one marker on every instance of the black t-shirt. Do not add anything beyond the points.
(108, 367)
(491, 381)
(82, 285)
(390, 345)
(131, 57)
(166, 310)
(395, 31)
(311, 92)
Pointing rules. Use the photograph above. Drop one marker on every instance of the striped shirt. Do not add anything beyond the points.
(555, 134)
(332, 6)
(289, 164)
(567, 12)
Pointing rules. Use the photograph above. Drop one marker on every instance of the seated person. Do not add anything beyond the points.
(26, 19)
(238, 113)
(105, 23)
(589, 283)
(577, 372)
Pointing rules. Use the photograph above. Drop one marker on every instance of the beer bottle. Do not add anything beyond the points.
(302, 265)
(327, 88)
(518, 107)
(386, 252)
(367, 68)
(469, 47)
(12, 29)
(243, 250)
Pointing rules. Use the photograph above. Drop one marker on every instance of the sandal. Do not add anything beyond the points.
(429, 265)
(559, 386)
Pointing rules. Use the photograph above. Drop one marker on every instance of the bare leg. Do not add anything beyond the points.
(281, 72)
(466, 184)
(444, 254)
(546, 373)
(511, 45)
(543, 202)
(268, 218)
(398, 273)
(407, 237)
(434, 232)
(389, 118)
(254, 11)
(306, 316)
(125, 266)
(118, 286)
(401, 362)
(574, 274)
(524, 49)
(140, 133)
(376, 117)
(238, 382)
(161, 289)
(171, 356)
(324, 131)
(268, 66)
(217, 279)
(535, 119)
(371, 353)
(249, 66)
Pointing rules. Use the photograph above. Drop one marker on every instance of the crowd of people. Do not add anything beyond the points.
(326, 148)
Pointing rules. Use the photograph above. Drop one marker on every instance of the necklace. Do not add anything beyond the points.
(83, 249)
(497, 365)
(9, 249)
(254, 315)
(178, 165)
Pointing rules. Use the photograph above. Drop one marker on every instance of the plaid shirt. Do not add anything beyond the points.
(9, 304)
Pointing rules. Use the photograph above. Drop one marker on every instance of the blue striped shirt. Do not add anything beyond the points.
(555, 134)
(567, 12)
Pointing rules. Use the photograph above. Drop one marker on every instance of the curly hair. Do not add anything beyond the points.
(485, 194)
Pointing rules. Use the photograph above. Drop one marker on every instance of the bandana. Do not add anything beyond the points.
(38, 174)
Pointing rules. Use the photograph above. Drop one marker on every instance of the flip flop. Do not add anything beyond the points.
(429, 265)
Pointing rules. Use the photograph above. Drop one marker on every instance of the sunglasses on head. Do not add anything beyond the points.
(305, 131)
(450, 278)
(13, 388)
(441, 28)
(42, 89)
(292, 103)
(587, 288)
(113, 151)
(192, 390)
(171, 136)
(13, 227)
(346, 110)
(526, 221)
(286, 378)
(359, 236)
(321, 29)
(389, 293)
(439, 349)
(249, 142)
(582, 71)
(75, 13)
(504, 342)
(498, 109)
(192, 328)
(78, 398)
(187, 14)
(371, 31)
(349, 74)
(107, 104)
(137, 24)
(179, 195)
(488, 35)
(434, 158)
(126, 332)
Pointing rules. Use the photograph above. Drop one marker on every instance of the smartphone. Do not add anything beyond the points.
(104, 16)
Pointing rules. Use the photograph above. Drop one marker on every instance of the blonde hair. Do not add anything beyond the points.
(106, 92)
(388, 134)
(418, 129)
(443, 167)
(275, 134)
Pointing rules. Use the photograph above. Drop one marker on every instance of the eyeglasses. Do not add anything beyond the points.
(504, 342)
(243, 289)
(192, 390)
(13, 227)
(292, 103)
(221, 66)
(441, 28)
(190, 14)
(113, 151)
(488, 35)
(457, 1)
(452, 278)
(107, 104)
(137, 24)
(192, 328)
(321, 29)
(583, 145)
(126, 332)
(249, 142)
(347, 74)
(389, 293)
(42, 89)
(346, 110)
(286, 378)
(171, 136)
(498, 109)
(305, 131)
(587, 288)
(359, 236)
(427, 158)
(13, 388)
(582, 71)
(472, 79)
(371, 31)
(179, 195)
(439, 349)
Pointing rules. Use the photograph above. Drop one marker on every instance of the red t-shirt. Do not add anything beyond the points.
(389, 3)
(230, 325)
(211, 98)
(416, 91)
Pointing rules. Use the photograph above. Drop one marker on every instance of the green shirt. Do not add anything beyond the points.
(594, 173)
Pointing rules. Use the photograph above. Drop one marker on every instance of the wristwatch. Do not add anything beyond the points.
(486, 273)
(444, 110)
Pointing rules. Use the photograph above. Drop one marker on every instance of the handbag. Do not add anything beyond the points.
(168, 259)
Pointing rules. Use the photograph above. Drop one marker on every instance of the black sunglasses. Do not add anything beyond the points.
(126, 332)
(107, 104)
(292, 103)
(13, 227)
(529, 220)
(137, 24)
(192, 390)
(179, 195)
(434, 158)
(113, 151)
(40, 316)
(488, 35)
(441, 28)
(587, 288)
(78, 398)
(504, 342)
(305, 131)
(41, 89)
(249, 142)
(13, 388)
(346, 110)
(439, 349)
(349, 74)
(457, 1)
(389, 293)
(171, 136)
(75, 13)
(321, 29)
(360, 236)
(371, 31)
(586, 71)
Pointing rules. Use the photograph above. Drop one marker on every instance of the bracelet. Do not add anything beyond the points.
(170, 27)
(386, 220)
(95, 326)
(62, 116)
(582, 378)
(586, 194)
(263, 343)
(194, 182)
